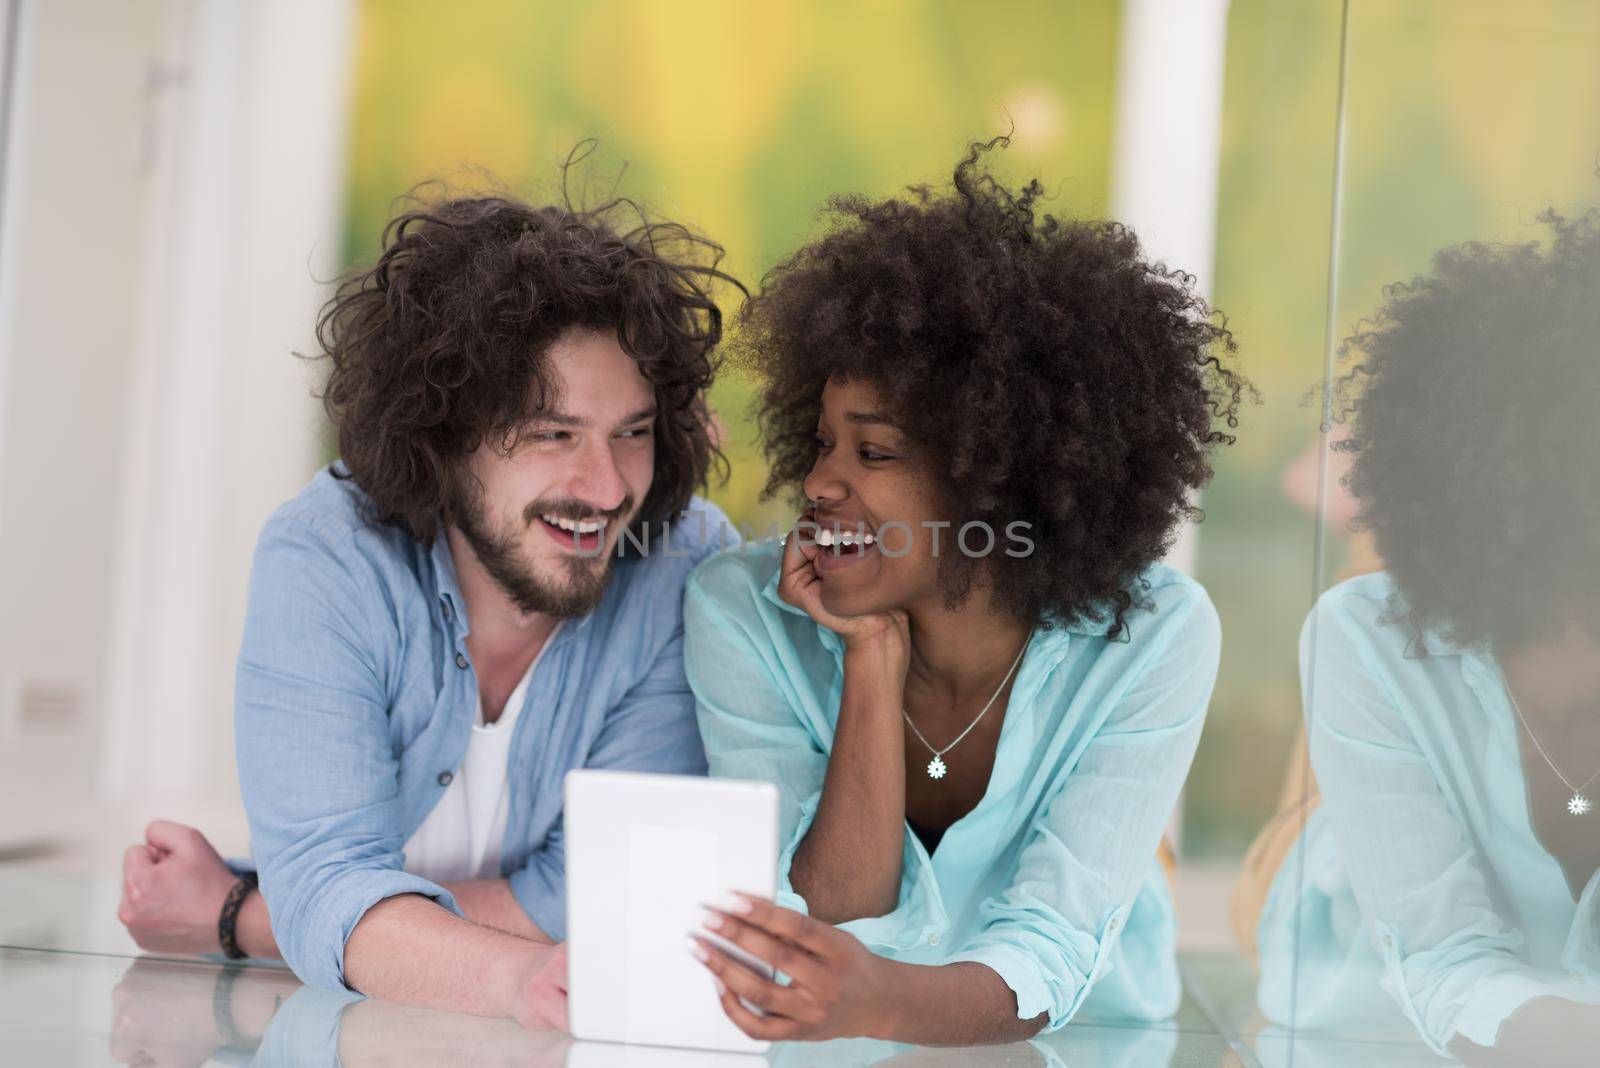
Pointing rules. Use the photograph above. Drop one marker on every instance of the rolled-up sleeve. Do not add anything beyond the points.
(317, 767)
(1451, 960)
(1050, 934)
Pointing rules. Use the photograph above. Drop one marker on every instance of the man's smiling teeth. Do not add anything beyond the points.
(829, 538)
(585, 526)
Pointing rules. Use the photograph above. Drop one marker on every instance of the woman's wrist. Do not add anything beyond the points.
(959, 1003)
(875, 683)
(893, 985)
(881, 653)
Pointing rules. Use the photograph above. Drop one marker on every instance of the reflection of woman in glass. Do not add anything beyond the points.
(1453, 699)
(976, 687)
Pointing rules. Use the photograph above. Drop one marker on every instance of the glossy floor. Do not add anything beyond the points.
(75, 990)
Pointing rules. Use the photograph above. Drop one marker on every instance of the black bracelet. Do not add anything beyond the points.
(228, 921)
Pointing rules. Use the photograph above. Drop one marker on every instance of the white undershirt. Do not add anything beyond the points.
(462, 836)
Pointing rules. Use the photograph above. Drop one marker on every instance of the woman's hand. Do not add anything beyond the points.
(800, 585)
(838, 988)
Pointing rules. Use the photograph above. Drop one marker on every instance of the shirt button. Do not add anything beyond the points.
(1114, 924)
(933, 940)
(444, 606)
(1388, 941)
(446, 778)
(461, 660)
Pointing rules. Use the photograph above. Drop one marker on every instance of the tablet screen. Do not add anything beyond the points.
(645, 854)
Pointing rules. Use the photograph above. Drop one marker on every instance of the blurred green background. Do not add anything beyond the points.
(1463, 118)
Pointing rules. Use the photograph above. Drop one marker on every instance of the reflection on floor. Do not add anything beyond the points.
(74, 989)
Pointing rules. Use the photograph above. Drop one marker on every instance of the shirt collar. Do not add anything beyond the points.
(446, 588)
(1477, 662)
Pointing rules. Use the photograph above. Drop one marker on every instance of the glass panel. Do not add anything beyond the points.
(1257, 545)
(1440, 892)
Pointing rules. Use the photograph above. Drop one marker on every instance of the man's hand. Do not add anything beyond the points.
(163, 1016)
(836, 989)
(540, 997)
(173, 886)
(160, 1020)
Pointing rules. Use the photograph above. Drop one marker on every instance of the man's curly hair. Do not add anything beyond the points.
(1474, 439)
(441, 344)
(1043, 370)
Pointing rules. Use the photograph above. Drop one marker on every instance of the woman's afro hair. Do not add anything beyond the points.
(1475, 443)
(1044, 370)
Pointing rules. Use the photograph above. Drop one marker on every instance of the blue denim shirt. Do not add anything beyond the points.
(355, 697)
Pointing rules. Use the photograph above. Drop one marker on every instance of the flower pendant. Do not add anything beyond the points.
(1578, 806)
(936, 770)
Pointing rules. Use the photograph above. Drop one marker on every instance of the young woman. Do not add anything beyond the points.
(1447, 881)
(975, 685)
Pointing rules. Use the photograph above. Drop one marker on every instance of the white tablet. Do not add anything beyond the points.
(644, 854)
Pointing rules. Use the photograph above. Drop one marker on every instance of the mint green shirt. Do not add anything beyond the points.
(1419, 896)
(1052, 880)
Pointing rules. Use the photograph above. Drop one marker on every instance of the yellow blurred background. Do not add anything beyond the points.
(183, 178)
(740, 118)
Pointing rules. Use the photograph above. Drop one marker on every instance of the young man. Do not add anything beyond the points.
(460, 610)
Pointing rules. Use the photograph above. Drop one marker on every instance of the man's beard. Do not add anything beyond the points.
(500, 553)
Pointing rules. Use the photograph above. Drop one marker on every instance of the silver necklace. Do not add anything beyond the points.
(1579, 805)
(936, 766)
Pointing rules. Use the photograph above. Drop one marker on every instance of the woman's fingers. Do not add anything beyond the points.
(801, 544)
(818, 939)
(796, 575)
(766, 995)
(763, 1028)
(785, 956)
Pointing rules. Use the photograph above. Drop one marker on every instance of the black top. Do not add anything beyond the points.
(929, 835)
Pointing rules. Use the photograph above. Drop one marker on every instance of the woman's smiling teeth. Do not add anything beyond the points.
(844, 538)
(842, 550)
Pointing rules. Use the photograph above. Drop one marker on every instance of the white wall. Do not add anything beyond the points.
(175, 191)
(1164, 176)
(68, 304)
(1168, 143)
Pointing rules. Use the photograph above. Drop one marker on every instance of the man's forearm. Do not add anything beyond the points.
(374, 1034)
(485, 901)
(848, 865)
(961, 1004)
(411, 950)
(253, 929)
(491, 903)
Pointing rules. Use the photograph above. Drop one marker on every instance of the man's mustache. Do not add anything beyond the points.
(576, 510)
